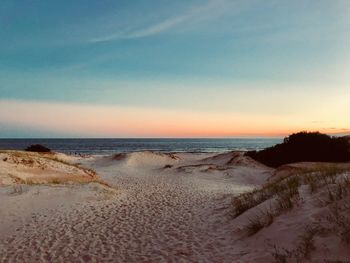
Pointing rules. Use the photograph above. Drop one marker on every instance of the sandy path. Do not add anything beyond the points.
(158, 217)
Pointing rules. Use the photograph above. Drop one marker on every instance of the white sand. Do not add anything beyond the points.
(168, 208)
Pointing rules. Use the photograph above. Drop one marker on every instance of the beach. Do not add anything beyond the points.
(144, 131)
(147, 207)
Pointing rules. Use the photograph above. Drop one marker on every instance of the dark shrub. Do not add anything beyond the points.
(37, 148)
(305, 147)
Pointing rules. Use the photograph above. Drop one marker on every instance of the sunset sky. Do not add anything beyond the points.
(145, 68)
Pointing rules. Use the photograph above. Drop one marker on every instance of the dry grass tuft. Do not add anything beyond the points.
(259, 221)
(336, 184)
(339, 219)
(304, 248)
(306, 245)
(285, 189)
(255, 224)
(280, 255)
(55, 181)
(332, 182)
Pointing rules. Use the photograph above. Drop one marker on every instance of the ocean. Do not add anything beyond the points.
(110, 146)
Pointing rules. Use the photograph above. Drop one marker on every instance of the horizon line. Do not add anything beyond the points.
(136, 138)
(170, 138)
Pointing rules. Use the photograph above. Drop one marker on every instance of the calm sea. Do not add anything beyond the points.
(109, 146)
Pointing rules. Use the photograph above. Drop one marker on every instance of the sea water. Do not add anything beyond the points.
(110, 146)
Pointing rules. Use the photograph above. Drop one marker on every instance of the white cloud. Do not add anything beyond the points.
(152, 30)
(211, 9)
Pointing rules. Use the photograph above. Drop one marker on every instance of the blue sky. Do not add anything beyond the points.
(218, 56)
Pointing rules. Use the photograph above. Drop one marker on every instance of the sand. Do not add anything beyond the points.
(158, 208)
(41, 168)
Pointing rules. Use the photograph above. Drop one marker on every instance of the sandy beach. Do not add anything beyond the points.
(198, 131)
(148, 207)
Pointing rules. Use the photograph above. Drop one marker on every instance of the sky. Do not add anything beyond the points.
(194, 68)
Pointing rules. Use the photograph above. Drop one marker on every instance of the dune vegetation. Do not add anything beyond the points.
(319, 195)
(305, 147)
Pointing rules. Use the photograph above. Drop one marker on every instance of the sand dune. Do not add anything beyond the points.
(35, 168)
(181, 213)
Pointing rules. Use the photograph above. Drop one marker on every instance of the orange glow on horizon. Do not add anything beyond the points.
(115, 121)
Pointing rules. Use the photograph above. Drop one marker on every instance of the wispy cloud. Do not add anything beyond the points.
(148, 31)
(193, 14)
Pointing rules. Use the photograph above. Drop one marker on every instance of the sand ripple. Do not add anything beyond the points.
(157, 217)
